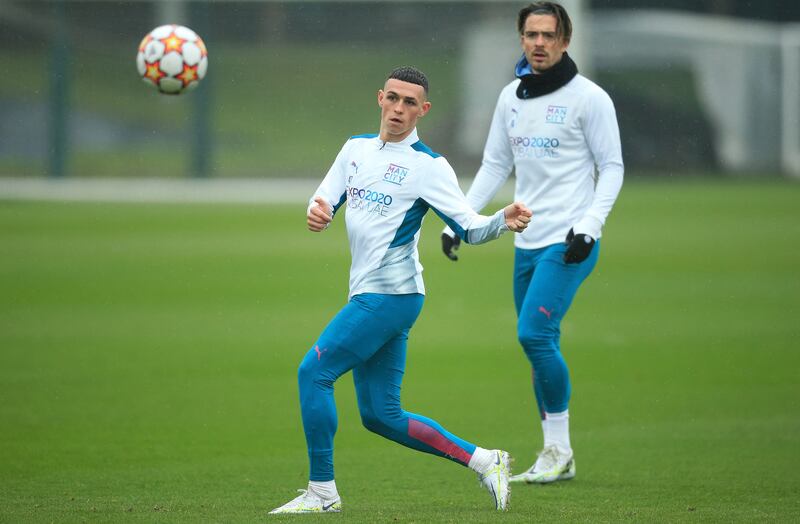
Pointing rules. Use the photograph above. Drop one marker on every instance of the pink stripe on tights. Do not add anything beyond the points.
(424, 433)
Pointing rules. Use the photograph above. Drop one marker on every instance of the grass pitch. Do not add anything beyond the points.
(148, 360)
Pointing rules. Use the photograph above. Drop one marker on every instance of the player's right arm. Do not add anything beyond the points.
(319, 215)
(330, 195)
(498, 160)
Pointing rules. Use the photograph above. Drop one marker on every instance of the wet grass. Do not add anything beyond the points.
(148, 357)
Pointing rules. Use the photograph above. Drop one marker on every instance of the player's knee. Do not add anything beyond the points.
(305, 372)
(310, 372)
(535, 339)
(376, 421)
(370, 421)
(539, 345)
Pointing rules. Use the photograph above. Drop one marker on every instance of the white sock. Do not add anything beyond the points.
(325, 490)
(481, 460)
(556, 430)
(545, 431)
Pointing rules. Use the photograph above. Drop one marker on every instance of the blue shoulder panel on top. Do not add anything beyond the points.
(422, 148)
(367, 135)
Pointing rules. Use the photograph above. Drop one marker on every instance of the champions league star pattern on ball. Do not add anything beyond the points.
(172, 58)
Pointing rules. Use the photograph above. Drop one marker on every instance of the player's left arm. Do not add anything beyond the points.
(441, 191)
(498, 160)
(601, 133)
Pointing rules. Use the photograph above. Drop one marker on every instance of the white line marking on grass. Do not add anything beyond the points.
(237, 190)
(159, 190)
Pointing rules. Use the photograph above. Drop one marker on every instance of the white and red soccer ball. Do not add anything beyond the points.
(172, 58)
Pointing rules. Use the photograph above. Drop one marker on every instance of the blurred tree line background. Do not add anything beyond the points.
(288, 82)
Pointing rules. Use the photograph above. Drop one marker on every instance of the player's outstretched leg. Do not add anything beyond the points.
(495, 478)
(377, 384)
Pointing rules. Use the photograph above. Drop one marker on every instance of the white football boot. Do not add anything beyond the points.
(309, 502)
(552, 465)
(495, 479)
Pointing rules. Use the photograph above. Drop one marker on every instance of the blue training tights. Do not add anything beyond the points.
(369, 336)
(544, 286)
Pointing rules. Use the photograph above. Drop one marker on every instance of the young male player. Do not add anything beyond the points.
(558, 131)
(386, 183)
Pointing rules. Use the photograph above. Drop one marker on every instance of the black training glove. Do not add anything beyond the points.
(578, 247)
(450, 245)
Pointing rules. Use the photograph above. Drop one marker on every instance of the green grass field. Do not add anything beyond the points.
(148, 360)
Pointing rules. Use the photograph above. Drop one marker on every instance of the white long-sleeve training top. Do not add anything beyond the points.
(386, 188)
(565, 149)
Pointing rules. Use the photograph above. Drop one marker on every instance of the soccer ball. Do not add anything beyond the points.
(172, 58)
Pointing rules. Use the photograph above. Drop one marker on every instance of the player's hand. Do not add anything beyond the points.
(578, 247)
(450, 245)
(319, 215)
(517, 216)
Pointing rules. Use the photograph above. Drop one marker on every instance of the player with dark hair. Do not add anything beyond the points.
(411, 75)
(563, 29)
(558, 131)
(387, 183)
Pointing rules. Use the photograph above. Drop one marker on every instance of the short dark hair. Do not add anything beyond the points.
(563, 23)
(411, 75)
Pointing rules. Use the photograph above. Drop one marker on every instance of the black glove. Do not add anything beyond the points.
(450, 245)
(578, 247)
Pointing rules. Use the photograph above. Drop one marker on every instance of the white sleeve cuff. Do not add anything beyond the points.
(501, 216)
(588, 225)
